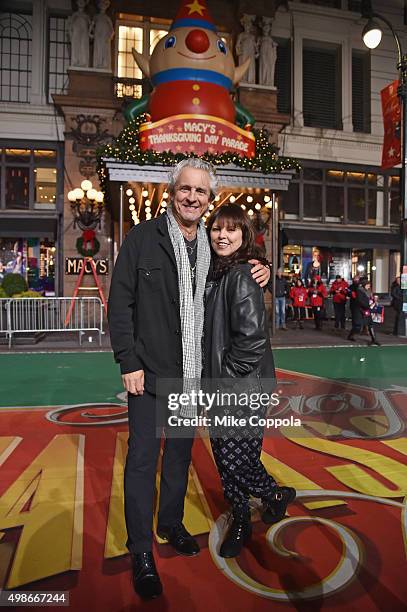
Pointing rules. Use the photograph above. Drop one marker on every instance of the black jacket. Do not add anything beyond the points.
(236, 339)
(281, 287)
(396, 297)
(143, 313)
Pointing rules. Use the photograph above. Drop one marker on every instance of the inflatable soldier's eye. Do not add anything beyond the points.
(221, 46)
(170, 42)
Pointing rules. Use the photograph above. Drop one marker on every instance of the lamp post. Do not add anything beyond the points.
(86, 206)
(372, 36)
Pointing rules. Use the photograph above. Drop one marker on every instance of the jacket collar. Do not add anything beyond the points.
(164, 237)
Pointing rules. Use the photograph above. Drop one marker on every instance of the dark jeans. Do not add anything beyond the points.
(339, 315)
(140, 474)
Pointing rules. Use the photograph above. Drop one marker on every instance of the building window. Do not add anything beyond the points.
(283, 76)
(395, 200)
(15, 57)
(58, 58)
(340, 195)
(143, 38)
(30, 178)
(361, 91)
(322, 86)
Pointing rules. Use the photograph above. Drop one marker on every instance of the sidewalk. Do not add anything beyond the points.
(292, 338)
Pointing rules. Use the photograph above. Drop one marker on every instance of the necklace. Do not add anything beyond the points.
(191, 247)
(192, 270)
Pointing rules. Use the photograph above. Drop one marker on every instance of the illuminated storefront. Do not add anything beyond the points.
(30, 204)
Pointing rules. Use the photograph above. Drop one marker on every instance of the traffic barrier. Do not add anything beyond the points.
(31, 315)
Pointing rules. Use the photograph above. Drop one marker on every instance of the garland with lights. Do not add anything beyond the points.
(126, 148)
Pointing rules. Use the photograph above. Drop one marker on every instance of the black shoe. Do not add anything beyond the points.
(277, 505)
(351, 337)
(146, 580)
(180, 539)
(238, 534)
(376, 342)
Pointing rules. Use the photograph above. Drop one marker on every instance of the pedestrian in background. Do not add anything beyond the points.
(317, 295)
(280, 295)
(339, 291)
(396, 302)
(360, 309)
(299, 295)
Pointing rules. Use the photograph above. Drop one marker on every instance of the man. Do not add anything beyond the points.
(279, 296)
(339, 291)
(396, 302)
(156, 322)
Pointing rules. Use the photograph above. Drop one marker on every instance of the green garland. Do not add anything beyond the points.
(126, 148)
(87, 252)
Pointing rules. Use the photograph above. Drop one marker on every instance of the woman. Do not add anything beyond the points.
(238, 357)
(299, 295)
(317, 295)
(360, 309)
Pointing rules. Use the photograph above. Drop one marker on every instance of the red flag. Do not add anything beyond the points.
(391, 109)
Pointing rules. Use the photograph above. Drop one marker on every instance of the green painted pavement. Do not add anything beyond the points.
(48, 379)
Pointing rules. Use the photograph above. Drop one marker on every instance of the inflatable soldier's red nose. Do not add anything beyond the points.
(197, 41)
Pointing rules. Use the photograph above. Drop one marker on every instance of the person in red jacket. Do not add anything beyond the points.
(317, 294)
(298, 294)
(339, 291)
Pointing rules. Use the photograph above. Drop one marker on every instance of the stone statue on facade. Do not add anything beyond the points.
(102, 32)
(267, 53)
(78, 29)
(246, 47)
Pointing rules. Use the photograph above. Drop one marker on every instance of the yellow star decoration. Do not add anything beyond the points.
(195, 7)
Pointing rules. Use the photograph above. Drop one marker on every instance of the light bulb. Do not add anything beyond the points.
(144, 193)
(131, 200)
(100, 197)
(72, 196)
(232, 199)
(258, 206)
(92, 194)
(249, 198)
(78, 193)
(165, 195)
(250, 213)
(129, 192)
(266, 198)
(86, 185)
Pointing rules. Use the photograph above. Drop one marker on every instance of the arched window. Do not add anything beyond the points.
(15, 57)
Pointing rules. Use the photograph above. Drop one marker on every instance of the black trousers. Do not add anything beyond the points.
(339, 315)
(140, 474)
(318, 313)
(237, 456)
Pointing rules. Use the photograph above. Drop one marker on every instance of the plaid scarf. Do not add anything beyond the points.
(191, 306)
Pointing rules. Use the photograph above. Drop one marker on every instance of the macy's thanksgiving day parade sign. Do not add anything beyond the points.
(190, 109)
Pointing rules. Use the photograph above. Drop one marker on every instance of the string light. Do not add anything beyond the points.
(126, 148)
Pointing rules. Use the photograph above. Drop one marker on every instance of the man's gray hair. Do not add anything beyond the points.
(193, 162)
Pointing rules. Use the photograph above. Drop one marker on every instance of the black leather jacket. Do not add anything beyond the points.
(236, 339)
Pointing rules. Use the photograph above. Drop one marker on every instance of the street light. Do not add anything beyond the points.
(372, 35)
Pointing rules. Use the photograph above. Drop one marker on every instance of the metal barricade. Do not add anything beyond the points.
(25, 315)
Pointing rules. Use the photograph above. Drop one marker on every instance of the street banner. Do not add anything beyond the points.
(196, 134)
(391, 109)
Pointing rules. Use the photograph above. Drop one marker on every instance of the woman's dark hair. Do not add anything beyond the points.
(233, 215)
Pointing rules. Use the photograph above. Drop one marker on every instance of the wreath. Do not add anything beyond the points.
(88, 245)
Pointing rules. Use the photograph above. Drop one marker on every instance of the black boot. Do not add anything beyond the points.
(351, 336)
(180, 539)
(146, 580)
(238, 534)
(277, 505)
(373, 337)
